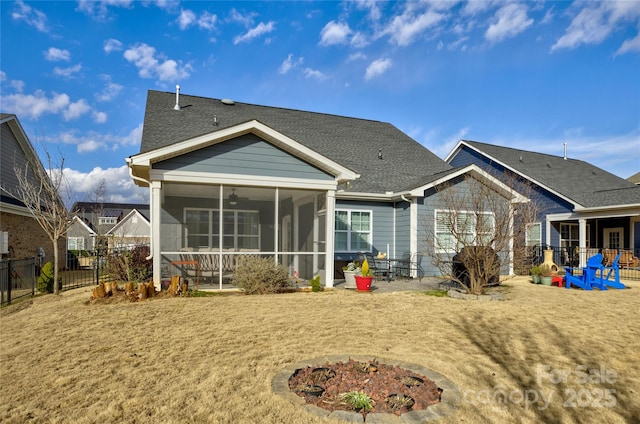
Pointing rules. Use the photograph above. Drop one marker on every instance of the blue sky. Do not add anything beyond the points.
(530, 75)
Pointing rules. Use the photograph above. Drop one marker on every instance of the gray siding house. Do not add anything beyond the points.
(20, 234)
(583, 209)
(312, 190)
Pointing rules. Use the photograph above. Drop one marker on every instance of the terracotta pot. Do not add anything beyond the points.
(363, 283)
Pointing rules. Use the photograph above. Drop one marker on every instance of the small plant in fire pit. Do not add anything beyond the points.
(357, 400)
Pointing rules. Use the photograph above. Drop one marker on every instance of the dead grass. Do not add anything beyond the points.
(212, 359)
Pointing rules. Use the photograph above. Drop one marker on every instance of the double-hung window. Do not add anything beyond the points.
(240, 229)
(534, 234)
(75, 243)
(352, 231)
(456, 229)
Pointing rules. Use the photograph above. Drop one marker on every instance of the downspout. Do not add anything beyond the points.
(128, 160)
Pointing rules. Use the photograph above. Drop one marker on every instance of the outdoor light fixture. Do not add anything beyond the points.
(233, 198)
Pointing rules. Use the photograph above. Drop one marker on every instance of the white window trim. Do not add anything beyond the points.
(527, 240)
(215, 225)
(76, 243)
(349, 211)
(437, 247)
(577, 232)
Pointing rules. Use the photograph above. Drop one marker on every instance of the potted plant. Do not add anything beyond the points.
(546, 275)
(350, 271)
(535, 272)
(364, 277)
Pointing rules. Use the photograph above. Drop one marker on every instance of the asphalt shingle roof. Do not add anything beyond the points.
(351, 142)
(583, 183)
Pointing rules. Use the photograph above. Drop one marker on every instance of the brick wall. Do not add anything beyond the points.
(26, 235)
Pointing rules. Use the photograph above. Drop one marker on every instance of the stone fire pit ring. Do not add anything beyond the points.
(449, 400)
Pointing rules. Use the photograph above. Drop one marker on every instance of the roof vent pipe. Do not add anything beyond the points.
(565, 151)
(177, 106)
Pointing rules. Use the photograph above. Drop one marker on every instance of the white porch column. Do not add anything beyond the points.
(155, 198)
(547, 232)
(413, 231)
(582, 241)
(329, 236)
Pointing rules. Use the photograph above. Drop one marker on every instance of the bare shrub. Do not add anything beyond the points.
(480, 213)
(257, 275)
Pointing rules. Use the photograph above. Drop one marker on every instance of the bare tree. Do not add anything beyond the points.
(485, 222)
(41, 191)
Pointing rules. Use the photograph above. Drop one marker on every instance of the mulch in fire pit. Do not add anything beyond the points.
(393, 389)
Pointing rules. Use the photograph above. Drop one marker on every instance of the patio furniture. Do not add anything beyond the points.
(595, 275)
(379, 267)
(628, 260)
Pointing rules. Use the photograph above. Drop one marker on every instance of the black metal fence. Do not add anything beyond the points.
(19, 277)
(569, 257)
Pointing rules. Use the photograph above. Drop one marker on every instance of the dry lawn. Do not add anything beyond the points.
(211, 360)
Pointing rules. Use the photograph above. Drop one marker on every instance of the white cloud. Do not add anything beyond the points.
(112, 45)
(34, 105)
(334, 33)
(32, 17)
(100, 9)
(76, 110)
(120, 187)
(256, 32)
(109, 92)
(356, 56)
(509, 21)
(596, 21)
(631, 45)
(67, 72)
(186, 19)
(54, 54)
(405, 28)
(99, 117)
(246, 20)
(312, 73)
(289, 63)
(359, 40)
(372, 6)
(376, 68)
(144, 57)
(207, 21)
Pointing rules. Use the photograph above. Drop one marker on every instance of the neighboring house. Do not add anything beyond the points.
(581, 205)
(20, 235)
(80, 235)
(635, 178)
(93, 221)
(132, 230)
(312, 190)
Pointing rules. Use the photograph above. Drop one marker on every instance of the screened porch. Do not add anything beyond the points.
(204, 229)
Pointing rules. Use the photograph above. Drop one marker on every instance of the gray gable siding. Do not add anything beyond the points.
(427, 207)
(11, 156)
(246, 155)
(547, 202)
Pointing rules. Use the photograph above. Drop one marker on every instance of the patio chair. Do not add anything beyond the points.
(377, 267)
(593, 275)
(403, 265)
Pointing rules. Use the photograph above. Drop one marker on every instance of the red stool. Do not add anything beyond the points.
(557, 280)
